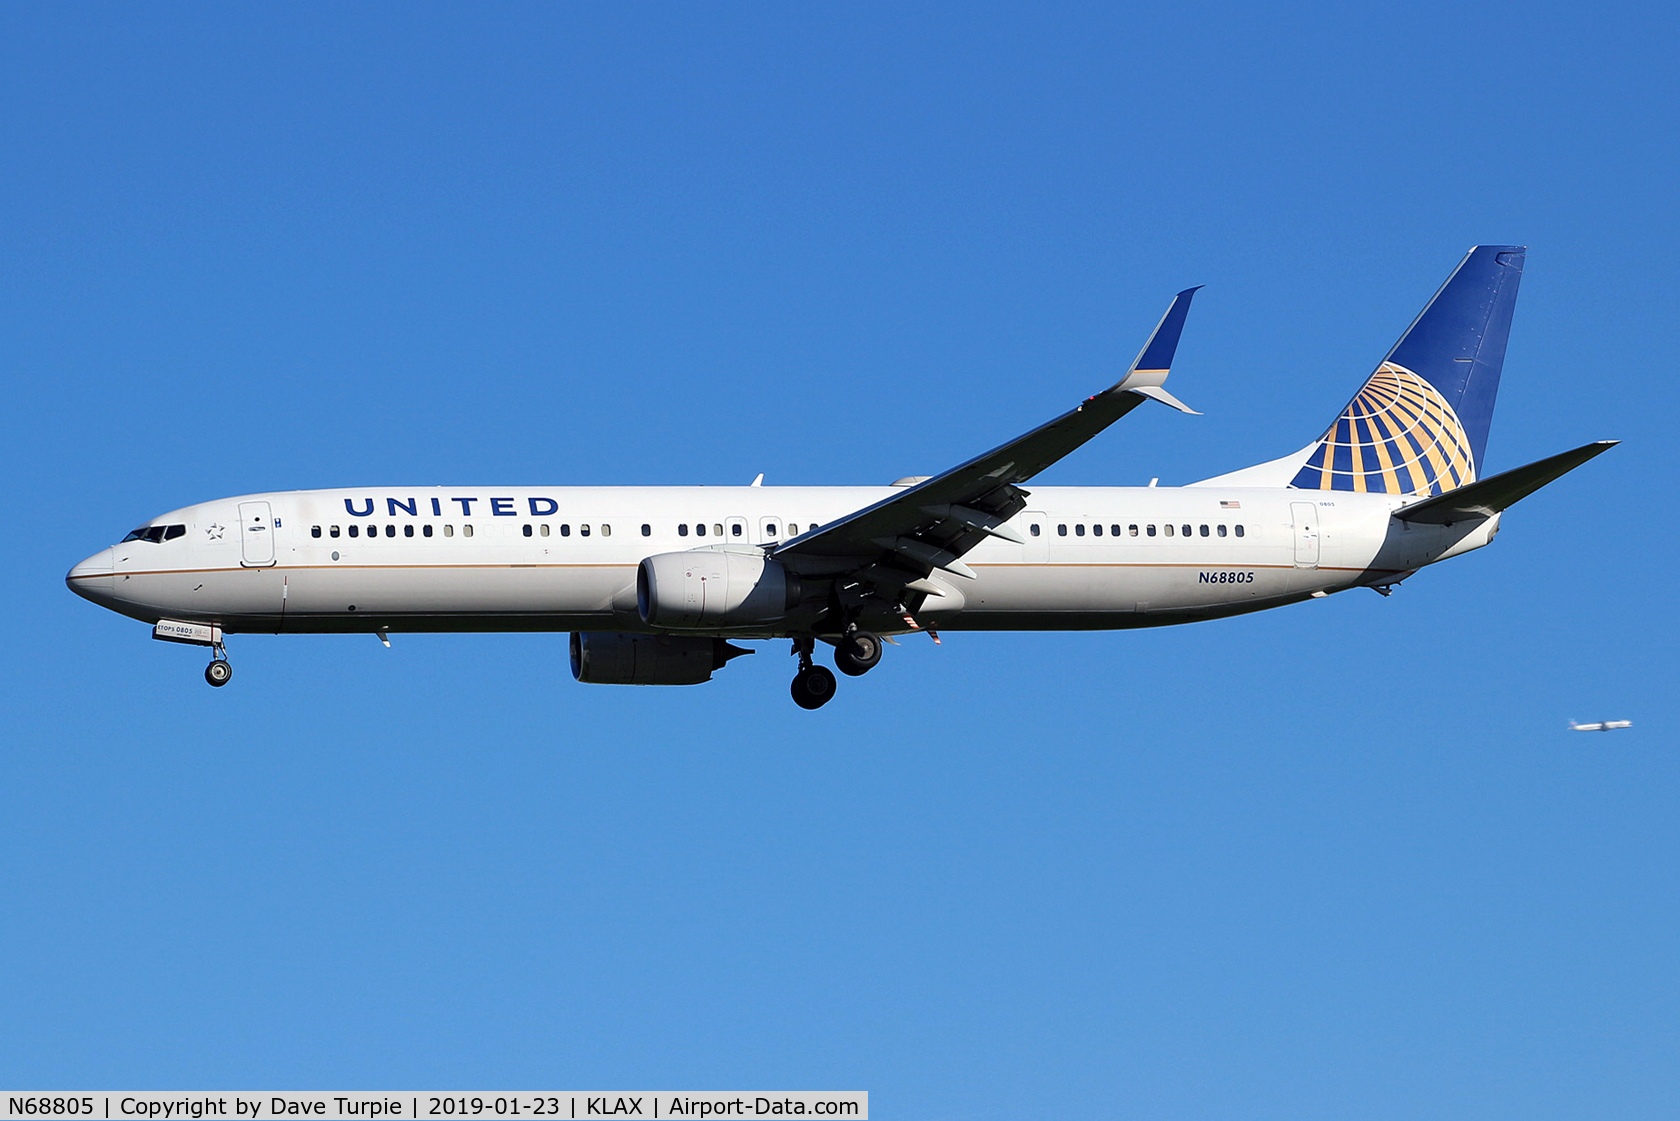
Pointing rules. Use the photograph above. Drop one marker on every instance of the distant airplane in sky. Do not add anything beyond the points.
(1606, 726)
(657, 584)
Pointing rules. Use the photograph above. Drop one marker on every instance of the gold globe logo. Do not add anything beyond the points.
(1399, 436)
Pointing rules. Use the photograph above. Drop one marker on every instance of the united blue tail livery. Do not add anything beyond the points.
(657, 585)
(1420, 424)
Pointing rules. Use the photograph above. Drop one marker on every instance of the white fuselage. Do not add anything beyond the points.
(565, 558)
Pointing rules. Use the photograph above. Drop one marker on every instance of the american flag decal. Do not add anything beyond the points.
(1230, 505)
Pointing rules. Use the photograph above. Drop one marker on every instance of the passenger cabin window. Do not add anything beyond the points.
(1061, 530)
(354, 530)
(543, 529)
(314, 531)
(390, 531)
(793, 530)
(1035, 530)
(332, 531)
(527, 530)
(717, 529)
(1204, 531)
(1079, 530)
(583, 530)
(1186, 531)
(647, 530)
(1222, 531)
(566, 529)
(1239, 531)
(1131, 530)
(682, 529)
(606, 530)
(449, 531)
(1169, 530)
(1096, 530)
(1152, 531)
(426, 530)
(466, 531)
(408, 530)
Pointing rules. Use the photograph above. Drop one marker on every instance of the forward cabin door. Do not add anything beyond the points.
(1305, 517)
(256, 535)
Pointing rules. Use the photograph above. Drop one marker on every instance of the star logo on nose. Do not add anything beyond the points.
(215, 531)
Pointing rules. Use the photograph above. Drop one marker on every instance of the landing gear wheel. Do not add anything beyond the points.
(813, 687)
(218, 673)
(857, 653)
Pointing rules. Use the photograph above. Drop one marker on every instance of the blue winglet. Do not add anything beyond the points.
(1157, 353)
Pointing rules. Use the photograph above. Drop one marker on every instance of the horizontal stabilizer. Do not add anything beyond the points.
(1489, 496)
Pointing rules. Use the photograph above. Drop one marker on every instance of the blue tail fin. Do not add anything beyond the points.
(1420, 424)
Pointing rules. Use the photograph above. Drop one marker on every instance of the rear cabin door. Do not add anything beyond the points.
(1305, 516)
(256, 535)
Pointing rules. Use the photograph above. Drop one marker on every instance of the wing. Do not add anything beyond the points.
(898, 542)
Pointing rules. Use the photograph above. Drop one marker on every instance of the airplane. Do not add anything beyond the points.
(1606, 726)
(658, 585)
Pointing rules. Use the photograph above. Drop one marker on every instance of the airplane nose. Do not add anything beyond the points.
(92, 579)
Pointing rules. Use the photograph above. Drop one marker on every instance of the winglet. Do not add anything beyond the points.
(1154, 361)
(1156, 393)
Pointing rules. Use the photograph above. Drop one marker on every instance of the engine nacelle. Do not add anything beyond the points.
(604, 658)
(710, 588)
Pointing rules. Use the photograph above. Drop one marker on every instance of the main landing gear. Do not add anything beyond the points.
(855, 654)
(813, 685)
(219, 672)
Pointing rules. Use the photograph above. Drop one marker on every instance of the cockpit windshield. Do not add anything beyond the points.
(156, 533)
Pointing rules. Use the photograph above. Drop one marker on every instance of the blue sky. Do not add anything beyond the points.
(1337, 860)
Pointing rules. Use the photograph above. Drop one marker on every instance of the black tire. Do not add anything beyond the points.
(857, 653)
(218, 673)
(813, 687)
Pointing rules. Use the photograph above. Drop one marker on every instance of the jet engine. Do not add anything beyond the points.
(710, 588)
(604, 658)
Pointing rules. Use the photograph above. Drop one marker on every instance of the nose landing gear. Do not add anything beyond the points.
(219, 672)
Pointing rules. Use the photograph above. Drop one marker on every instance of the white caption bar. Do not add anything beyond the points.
(414, 1105)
